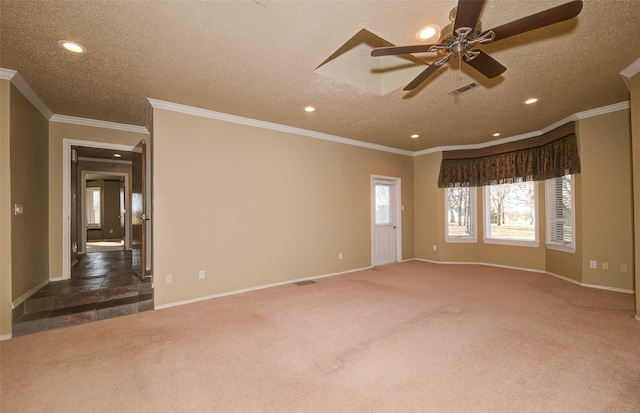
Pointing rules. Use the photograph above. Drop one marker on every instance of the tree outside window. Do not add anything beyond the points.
(511, 212)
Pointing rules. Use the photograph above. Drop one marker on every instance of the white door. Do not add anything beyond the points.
(384, 220)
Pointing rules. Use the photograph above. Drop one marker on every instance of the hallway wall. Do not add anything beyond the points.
(25, 182)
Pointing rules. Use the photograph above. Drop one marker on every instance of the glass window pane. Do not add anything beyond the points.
(383, 205)
(512, 211)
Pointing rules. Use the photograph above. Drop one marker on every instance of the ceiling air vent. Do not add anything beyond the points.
(463, 89)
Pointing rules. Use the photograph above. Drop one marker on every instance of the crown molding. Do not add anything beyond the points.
(98, 124)
(205, 113)
(24, 88)
(7, 74)
(572, 118)
(630, 71)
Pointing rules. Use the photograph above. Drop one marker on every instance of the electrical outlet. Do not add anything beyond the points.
(593, 264)
(623, 267)
(605, 266)
(169, 278)
(201, 274)
(339, 255)
(435, 247)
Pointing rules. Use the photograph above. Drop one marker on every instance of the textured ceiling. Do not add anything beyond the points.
(258, 60)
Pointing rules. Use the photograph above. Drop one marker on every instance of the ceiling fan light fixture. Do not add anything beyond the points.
(427, 32)
(72, 46)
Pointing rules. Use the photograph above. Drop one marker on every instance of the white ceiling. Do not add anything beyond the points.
(259, 60)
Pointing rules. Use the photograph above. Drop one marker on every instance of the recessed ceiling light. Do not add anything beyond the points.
(117, 155)
(427, 32)
(72, 46)
(414, 136)
(496, 134)
(530, 101)
(309, 109)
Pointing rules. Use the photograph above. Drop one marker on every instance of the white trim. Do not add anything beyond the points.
(5, 337)
(83, 158)
(66, 196)
(18, 81)
(7, 74)
(486, 264)
(260, 287)
(28, 294)
(210, 114)
(572, 118)
(602, 110)
(98, 123)
(637, 317)
(630, 71)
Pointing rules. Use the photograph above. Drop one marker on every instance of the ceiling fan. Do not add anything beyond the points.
(460, 38)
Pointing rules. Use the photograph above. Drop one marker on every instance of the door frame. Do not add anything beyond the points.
(66, 193)
(399, 209)
(83, 221)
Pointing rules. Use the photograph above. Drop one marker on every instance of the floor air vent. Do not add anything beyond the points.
(301, 283)
(463, 89)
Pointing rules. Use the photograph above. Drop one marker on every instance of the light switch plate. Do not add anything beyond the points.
(18, 209)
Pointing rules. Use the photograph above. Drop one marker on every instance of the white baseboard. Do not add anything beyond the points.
(571, 280)
(481, 263)
(260, 287)
(598, 287)
(637, 317)
(28, 294)
(5, 337)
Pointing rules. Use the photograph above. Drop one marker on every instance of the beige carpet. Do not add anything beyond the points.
(410, 337)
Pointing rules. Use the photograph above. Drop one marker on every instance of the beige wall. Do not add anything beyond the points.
(252, 206)
(430, 226)
(59, 131)
(5, 208)
(606, 204)
(603, 213)
(29, 173)
(635, 128)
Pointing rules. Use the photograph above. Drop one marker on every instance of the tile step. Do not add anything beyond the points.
(41, 302)
(45, 320)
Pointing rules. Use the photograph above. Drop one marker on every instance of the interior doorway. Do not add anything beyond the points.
(103, 211)
(386, 220)
(93, 161)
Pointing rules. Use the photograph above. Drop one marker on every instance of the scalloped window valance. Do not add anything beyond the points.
(551, 155)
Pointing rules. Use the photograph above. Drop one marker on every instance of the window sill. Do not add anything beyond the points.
(561, 248)
(461, 240)
(512, 242)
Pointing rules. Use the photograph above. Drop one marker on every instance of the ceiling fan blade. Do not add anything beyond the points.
(486, 65)
(396, 50)
(467, 13)
(544, 18)
(422, 77)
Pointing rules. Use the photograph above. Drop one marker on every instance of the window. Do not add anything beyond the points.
(510, 214)
(460, 211)
(384, 212)
(93, 197)
(560, 218)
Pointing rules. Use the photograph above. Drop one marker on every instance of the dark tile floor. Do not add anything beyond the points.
(102, 285)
